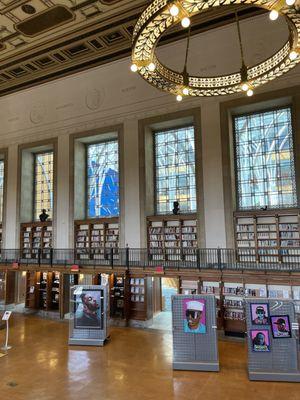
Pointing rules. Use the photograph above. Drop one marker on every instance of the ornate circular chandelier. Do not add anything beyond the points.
(161, 15)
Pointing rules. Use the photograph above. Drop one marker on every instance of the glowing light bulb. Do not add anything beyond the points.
(185, 91)
(245, 87)
(133, 67)
(186, 22)
(273, 15)
(249, 92)
(293, 55)
(179, 97)
(151, 67)
(174, 10)
(290, 2)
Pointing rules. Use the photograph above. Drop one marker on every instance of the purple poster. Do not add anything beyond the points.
(259, 313)
(281, 327)
(194, 316)
(260, 339)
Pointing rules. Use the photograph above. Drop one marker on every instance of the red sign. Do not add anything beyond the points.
(15, 265)
(159, 269)
(74, 268)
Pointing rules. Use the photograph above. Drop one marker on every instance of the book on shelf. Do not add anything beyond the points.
(235, 291)
(234, 315)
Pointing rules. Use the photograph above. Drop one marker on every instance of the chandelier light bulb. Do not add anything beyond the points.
(290, 2)
(245, 87)
(174, 10)
(273, 15)
(249, 92)
(185, 91)
(293, 55)
(151, 67)
(133, 67)
(186, 22)
(179, 97)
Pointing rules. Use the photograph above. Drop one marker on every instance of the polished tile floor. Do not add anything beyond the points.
(135, 365)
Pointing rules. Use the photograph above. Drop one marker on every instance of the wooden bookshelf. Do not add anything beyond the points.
(215, 288)
(7, 287)
(31, 290)
(118, 293)
(189, 286)
(43, 290)
(268, 236)
(35, 237)
(170, 238)
(140, 295)
(94, 238)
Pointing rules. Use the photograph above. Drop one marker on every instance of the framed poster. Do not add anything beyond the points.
(194, 316)
(281, 327)
(260, 340)
(260, 313)
(87, 313)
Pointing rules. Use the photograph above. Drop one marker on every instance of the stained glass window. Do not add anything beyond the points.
(43, 184)
(175, 170)
(1, 188)
(103, 179)
(265, 160)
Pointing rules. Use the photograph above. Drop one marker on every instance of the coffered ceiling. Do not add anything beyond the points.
(41, 40)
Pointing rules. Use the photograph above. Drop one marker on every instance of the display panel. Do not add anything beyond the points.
(103, 179)
(194, 328)
(273, 348)
(89, 314)
(175, 170)
(43, 184)
(264, 153)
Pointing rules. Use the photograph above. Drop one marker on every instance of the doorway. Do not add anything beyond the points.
(163, 290)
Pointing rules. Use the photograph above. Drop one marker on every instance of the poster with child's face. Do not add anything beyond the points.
(260, 339)
(194, 316)
(281, 326)
(259, 313)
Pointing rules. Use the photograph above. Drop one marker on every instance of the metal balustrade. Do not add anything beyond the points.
(129, 258)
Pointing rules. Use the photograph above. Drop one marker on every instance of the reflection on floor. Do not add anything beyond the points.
(162, 321)
(135, 365)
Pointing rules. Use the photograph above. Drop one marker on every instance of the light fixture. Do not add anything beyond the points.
(249, 92)
(133, 67)
(151, 66)
(179, 97)
(185, 22)
(273, 15)
(293, 55)
(245, 87)
(174, 10)
(185, 91)
(157, 18)
(290, 2)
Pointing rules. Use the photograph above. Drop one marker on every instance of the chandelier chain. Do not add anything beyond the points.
(187, 50)
(240, 37)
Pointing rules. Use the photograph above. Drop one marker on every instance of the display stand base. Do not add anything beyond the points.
(87, 342)
(274, 376)
(196, 366)
(5, 348)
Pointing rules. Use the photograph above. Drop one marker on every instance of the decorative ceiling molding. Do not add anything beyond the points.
(41, 40)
